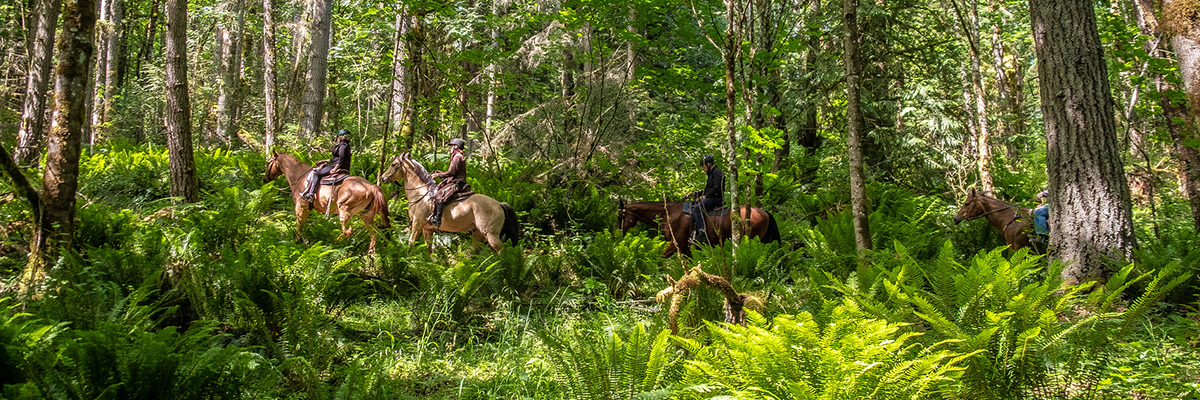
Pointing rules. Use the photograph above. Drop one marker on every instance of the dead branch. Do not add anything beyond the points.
(735, 302)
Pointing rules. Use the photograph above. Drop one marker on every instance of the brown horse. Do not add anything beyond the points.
(1014, 223)
(352, 196)
(486, 219)
(677, 225)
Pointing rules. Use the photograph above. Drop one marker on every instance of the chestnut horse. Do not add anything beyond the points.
(352, 196)
(1014, 223)
(677, 225)
(486, 219)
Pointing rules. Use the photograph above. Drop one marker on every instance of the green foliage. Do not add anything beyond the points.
(793, 357)
(756, 261)
(597, 363)
(623, 263)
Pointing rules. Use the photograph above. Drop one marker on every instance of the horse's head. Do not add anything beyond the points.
(971, 209)
(625, 219)
(273, 169)
(395, 171)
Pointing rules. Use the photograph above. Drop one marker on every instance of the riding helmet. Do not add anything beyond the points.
(458, 142)
(343, 132)
(708, 159)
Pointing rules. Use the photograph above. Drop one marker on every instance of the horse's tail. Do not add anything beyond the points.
(379, 206)
(772, 235)
(511, 231)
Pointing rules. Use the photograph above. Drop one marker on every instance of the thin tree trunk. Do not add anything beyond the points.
(56, 222)
(33, 112)
(858, 185)
(269, 75)
(149, 42)
(229, 41)
(1091, 214)
(970, 27)
(112, 58)
(1186, 43)
(732, 49)
(95, 98)
(318, 62)
(184, 183)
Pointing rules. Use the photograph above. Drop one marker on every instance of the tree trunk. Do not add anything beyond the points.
(318, 62)
(398, 117)
(112, 61)
(151, 31)
(184, 184)
(970, 27)
(858, 185)
(1091, 218)
(229, 59)
(56, 222)
(1186, 43)
(806, 135)
(269, 76)
(37, 82)
(732, 49)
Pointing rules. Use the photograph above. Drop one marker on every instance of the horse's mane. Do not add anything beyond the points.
(421, 173)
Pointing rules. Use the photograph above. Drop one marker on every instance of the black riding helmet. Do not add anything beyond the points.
(708, 159)
(458, 142)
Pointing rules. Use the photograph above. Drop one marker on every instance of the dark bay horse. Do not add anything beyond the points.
(1014, 223)
(486, 219)
(677, 225)
(352, 196)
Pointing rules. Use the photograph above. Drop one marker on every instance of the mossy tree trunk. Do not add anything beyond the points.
(184, 183)
(56, 220)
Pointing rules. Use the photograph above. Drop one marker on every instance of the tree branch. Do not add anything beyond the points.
(20, 183)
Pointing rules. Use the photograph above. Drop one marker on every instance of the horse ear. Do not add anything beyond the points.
(621, 205)
(972, 191)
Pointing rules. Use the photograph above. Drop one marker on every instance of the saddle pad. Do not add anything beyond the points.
(721, 211)
(460, 196)
(335, 177)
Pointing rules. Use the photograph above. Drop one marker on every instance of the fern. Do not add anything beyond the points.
(597, 363)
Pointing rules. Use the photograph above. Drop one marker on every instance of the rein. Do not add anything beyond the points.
(1010, 206)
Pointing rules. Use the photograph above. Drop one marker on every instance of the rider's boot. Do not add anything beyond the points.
(436, 217)
(310, 186)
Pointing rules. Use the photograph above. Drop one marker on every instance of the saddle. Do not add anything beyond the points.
(335, 177)
(717, 212)
(456, 197)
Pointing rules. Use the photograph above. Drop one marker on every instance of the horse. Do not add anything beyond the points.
(352, 196)
(677, 224)
(487, 220)
(1014, 223)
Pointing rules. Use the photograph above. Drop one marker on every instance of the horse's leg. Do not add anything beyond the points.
(493, 240)
(344, 214)
(301, 215)
(368, 218)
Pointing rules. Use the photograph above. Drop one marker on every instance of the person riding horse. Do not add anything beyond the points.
(1041, 214)
(340, 160)
(455, 181)
(711, 198)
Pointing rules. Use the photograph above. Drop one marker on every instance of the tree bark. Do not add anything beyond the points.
(269, 76)
(104, 84)
(229, 59)
(184, 184)
(732, 49)
(318, 63)
(858, 185)
(37, 82)
(1186, 43)
(1091, 217)
(970, 27)
(56, 222)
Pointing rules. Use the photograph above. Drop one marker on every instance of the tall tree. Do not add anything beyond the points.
(1181, 23)
(1091, 214)
(105, 78)
(184, 183)
(969, 22)
(229, 58)
(398, 101)
(318, 68)
(56, 222)
(858, 185)
(732, 50)
(269, 76)
(33, 113)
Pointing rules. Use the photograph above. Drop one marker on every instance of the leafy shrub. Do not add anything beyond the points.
(622, 263)
(596, 363)
(793, 357)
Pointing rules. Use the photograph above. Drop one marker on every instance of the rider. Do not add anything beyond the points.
(455, 180)
(711, 198)
(1041, 214)
(340, 160)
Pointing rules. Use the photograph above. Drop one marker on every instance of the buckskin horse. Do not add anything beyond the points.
(352, 196)
(1014, 223)
(677, 225)
(487, 220)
